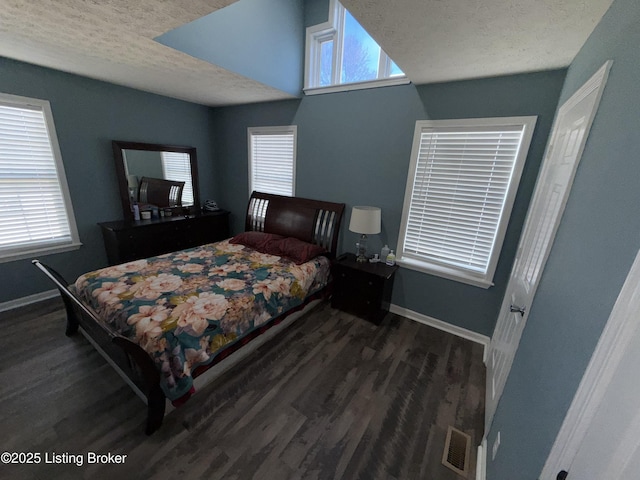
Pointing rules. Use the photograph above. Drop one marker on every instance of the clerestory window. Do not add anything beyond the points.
(341, 55)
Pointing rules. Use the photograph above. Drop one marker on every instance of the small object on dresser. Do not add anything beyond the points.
(391, 258)
(384, 252)
(168, 212)
(210, 206)
(136, 212)
(146, 214)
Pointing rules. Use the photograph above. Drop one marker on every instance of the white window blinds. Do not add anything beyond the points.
(272, 160)
(463, 179)
(177, 166)
(35, 214)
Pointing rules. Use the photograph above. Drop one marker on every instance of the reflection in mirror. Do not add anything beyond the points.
(163, 165)
(166, 165)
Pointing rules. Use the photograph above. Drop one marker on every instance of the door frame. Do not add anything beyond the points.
(596, 82)
(613, 343)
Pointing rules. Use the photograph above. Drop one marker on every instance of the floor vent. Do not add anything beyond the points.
(457, 449)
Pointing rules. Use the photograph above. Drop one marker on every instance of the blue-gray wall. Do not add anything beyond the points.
(596, 244)
(143, 163)
(88, 115)
(354, 147)
(260, 39)
(315, 12)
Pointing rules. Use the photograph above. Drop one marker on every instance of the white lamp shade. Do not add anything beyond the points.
(365, 220)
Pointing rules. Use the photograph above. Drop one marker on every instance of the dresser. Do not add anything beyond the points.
(127, 240)
(363, 289)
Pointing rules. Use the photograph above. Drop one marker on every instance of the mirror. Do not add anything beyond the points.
(135, 161)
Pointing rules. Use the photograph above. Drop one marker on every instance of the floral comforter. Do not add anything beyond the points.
(185, 307)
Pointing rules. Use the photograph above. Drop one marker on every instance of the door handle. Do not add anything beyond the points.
(516, 309)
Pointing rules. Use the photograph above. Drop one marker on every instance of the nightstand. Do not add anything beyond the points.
(363, 289)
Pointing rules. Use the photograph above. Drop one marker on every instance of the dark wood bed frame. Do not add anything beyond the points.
(309, 220)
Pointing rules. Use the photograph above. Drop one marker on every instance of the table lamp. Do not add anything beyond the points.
(365, 221)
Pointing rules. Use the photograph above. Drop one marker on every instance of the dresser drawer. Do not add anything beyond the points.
(360, 281)
(131, 240)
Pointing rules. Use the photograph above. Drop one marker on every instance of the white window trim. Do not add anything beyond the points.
(347, 87)
(283, 130)
(24, 252)
(447, 271)
(315, 36)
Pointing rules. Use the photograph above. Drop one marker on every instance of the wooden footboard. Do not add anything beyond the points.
(129, 357)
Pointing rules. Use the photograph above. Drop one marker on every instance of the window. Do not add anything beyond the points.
(177, 166)
(462, 181)
(272, 159)
(341, 55)
(35, 208)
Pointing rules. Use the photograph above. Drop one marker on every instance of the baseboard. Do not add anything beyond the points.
(24, 301)
(444, 326)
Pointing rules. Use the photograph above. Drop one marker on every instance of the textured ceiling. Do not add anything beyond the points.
(431, 40)
(442, 40)
(112, 40)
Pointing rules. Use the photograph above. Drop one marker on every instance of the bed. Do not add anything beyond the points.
(165, 321)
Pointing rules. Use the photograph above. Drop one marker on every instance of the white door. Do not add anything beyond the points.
(564, 150)
(599, 436)
(611, 446)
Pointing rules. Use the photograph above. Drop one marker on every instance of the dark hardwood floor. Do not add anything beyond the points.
(332, 397)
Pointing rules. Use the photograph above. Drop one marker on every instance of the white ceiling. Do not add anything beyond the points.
(443, 40)
(431, 40)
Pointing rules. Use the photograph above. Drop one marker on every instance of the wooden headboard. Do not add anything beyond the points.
(312, 221)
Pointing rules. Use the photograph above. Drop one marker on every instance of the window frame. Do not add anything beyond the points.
(333, 30)
(22, 251)
(272, 130)
(443, 269)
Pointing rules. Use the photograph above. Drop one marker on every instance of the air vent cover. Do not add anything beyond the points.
(456, 451)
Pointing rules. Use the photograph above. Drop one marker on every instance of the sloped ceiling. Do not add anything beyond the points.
(431, 40)
(443, 40)
(112, 40)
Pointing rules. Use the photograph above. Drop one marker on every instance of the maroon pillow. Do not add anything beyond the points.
(260, 241)
(299, 251)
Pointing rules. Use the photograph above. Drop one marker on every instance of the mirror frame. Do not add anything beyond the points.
(119, 146)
